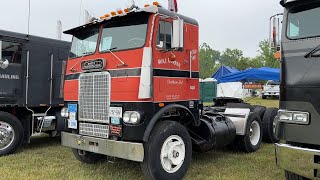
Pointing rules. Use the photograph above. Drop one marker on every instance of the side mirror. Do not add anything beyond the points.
(275, 31)
(177, 34)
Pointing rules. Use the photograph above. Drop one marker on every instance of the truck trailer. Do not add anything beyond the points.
(31, 88)
(298, 152)
(132, 92)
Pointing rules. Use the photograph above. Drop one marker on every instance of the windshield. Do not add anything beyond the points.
(303, 21)
(84, 42)
(129, 33)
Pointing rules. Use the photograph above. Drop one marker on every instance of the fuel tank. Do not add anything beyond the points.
(215, 131)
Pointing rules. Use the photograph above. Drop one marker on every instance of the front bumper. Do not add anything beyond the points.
(119, 149)
(302, 161)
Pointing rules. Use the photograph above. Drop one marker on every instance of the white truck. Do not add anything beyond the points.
(272, 88)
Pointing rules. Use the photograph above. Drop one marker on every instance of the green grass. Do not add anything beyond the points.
(44, 158)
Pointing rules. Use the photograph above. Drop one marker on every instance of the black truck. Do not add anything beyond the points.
(31, 88)
(298, 127)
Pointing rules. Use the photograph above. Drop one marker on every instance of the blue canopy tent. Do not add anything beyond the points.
(253, 74)
(223, 71)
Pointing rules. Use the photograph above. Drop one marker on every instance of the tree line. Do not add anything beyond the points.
(211, 60)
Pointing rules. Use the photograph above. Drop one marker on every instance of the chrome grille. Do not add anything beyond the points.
(96, 130)
(94, 97)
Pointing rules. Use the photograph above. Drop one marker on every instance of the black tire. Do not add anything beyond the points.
(18, 133)
(152, 166)
(88, 157)
(268, 127)
(243, 142)
(260, 110)
(292, 176)
(264, 97)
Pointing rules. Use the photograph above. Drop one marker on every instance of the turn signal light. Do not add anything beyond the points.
(113, 13)
(161, 104)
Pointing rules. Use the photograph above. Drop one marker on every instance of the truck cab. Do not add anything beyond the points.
(299, 115)
(132, 92)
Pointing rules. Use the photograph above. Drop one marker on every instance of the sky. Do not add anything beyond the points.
(240, 24)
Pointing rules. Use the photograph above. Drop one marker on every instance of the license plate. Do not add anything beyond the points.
(115, 112)
(72, 108)
(72, 124)
(115, 120)
(72, 116)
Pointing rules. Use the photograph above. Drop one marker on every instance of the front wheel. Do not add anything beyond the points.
(168, 152)
(11, 133)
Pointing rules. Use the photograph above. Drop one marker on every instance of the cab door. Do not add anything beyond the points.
(171, 66)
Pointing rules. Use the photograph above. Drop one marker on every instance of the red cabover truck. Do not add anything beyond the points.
(132, 92)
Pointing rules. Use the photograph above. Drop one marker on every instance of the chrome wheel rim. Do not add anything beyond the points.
(6, 135)
(172, 154)
(254, 133)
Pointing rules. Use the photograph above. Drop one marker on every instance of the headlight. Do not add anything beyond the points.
(64, 112)
(294, 117)
(132, 117)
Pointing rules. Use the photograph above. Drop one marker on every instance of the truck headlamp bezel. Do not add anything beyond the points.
(132, 117)
(293, 117)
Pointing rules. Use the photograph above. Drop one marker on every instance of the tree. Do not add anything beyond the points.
(209, 59)
(267, 55)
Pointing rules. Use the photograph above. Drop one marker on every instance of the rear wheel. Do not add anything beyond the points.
(292, 176)
(264, 97)
(11, 133)
(168, 152)
(252, 139)
(260, 110)
(269, 125)
(88, 157)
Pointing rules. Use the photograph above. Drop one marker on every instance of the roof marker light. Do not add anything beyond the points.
(107, 15)
(156, 3)
(147, 5)
(126, 10)
(113, 13)
(102, 17)
(119, 11)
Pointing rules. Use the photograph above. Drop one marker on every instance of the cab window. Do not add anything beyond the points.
(164, 37)
(11, 52)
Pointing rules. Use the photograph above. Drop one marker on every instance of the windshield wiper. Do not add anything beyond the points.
(123, 64)
(312, 53)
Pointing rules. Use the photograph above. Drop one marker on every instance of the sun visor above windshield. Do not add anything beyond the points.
(150, 9)
(286, 3)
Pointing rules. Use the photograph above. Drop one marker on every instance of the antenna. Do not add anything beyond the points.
(80, 12)
(87, 17)
(59, 30)
(29, 15)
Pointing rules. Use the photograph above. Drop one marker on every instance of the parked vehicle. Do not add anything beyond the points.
(271, 89)
(31, 88)
(299, 115)
(132, 92)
